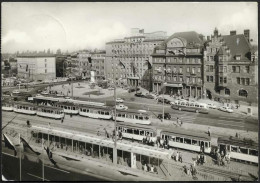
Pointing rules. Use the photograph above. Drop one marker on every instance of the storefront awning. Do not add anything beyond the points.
(173, 85)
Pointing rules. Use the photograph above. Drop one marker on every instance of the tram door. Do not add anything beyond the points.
(133, 160)
(202, 146)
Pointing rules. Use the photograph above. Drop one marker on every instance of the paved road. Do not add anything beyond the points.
(32, 171)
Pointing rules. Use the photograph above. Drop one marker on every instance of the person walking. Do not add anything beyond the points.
(177, 156)
(180, 157)
(209, 131)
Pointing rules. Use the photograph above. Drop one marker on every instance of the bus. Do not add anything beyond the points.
(190, 106)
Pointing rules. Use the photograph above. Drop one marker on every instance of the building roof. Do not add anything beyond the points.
(238, 45)
(190, 37)
(36, 55)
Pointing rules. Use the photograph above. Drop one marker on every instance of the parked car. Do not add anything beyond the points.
(139, 94)
(160, 100)
(149, 96)
(121, 107)
(226, 109)
(44, 92)
(6, 93)
(60, 95)
(16, 91)
(212, 106)
(166, 116)
(133, 89)
(119, 100)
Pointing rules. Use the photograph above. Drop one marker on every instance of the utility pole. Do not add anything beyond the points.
(115, 149)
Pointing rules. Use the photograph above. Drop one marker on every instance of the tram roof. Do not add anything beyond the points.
(94, 106)
(126, 146)
(185, 133)
(49, 107)
(132, 111)
(248, 143)
(25, 103)
(81, 102)
(139, 126)
(47, 98)
(67, 103)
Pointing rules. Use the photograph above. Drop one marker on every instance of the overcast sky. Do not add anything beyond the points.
(72, 26)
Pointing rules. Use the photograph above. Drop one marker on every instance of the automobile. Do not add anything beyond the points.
(38, 95)
(119, 100)
(149, 96)
(6, 93)
(16, 92)
(68, 98)
(139, 94)
(44, 92)
(110, 88)
(225, 109)
(166, 116)
(121, 107)
(160, 100)
(212, 106)
(133, 89)
(39, 91)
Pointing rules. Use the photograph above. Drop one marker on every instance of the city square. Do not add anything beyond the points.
(113, 102)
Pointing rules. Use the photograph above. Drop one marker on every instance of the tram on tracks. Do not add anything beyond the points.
(190, 106)
(239, 149)
(135, 131)
(7, 106)
(188, 140)
(68, 107)
(97, 112)
(133, 116)
(50, 112)
(24, 108)
(83, 145)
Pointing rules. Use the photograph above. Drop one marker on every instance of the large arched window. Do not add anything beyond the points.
(242, 93)
(227, 91)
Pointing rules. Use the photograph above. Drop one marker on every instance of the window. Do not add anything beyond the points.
(188, 69)
(242, 93)
(243, 81)
(199, 80)
(225, 69)
(220, 79)
(238, 81)
(211, 58)
(207, 78)
(45, 70)
(45, 65)
(211, 68)
(247, 81)
(193, 70)
(207, 68)
(193, 80)
(199, 69)
(188, 79)
(188, 60)
(236, 69)
(211, 78)
(227, 91)
(243, 150)
(225, 79)
(181, 78)
(180, 70)
(233, 149)
(174, 78)
(207, 58)
(253, 152)
(247, 69)
(238, 57)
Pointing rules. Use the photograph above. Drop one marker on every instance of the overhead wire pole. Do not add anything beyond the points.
(115, 144)
(20, 159)
(42, 161)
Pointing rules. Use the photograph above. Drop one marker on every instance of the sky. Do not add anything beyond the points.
(38, 26)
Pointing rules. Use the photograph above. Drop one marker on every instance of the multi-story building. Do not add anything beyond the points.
(231, 71)
(83, 64)
(36, 66)
(178, 63)
(98, 64)
(132, 51)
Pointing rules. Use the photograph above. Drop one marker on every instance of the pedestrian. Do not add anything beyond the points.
(70, 115)
(198, 159)
(180, 157)
(209, 131)
(62, 120)
(177, 156)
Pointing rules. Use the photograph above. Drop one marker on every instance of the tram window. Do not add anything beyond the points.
(73, 108)
(123, 115)
(253, 152)
(151, 134)
(102, 112)
(84, 110)
(243, 150)
(65, 107)
(136, 132)
(201, 106)
(129, 131)
(98, 112)
(119, 115)
(191, 105)
(194, 142)
(141, 118)
(88, 110)
(187, 141)
(206, 144)
(187, 104)
(147, 133)
(209, 144)
(233, 149)
(136, 117)
(141, 132)
(197, 105)
(107, 113)
(80, 109)
(146, 117)
(181, 140)
(177, 139)
(183, 103)
(163, 136)
(173, 139)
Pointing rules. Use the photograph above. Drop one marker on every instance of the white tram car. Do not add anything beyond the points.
(239, 149)
(50, 112)
(136, 131)
(190, 106)
(97, 112)
(68, 107)
(6, 106)
(133, 116)
(188, 140)
(24, 108)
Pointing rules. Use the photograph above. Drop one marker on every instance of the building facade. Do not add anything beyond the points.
(231, 68)
(98, 64)
(132, 52)
(36, 67)
(177, 65)
(83, 64)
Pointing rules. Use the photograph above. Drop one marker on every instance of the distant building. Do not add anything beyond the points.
(13, 63)
(98, 64)
(36, 67)
(83, 63)
(177, 65)
(231, 68)
(132, 52)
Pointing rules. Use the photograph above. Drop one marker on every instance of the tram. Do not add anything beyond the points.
(7, 106)
(133, 116)
(97, 112)
(239, 149)
(68, 107)
(190, 106)
(136, 131)
(188, 140)
(50, 112)
(24, 108)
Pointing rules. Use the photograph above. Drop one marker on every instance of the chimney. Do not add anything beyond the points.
(247, 34)
(208, 38)
(232, 33)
